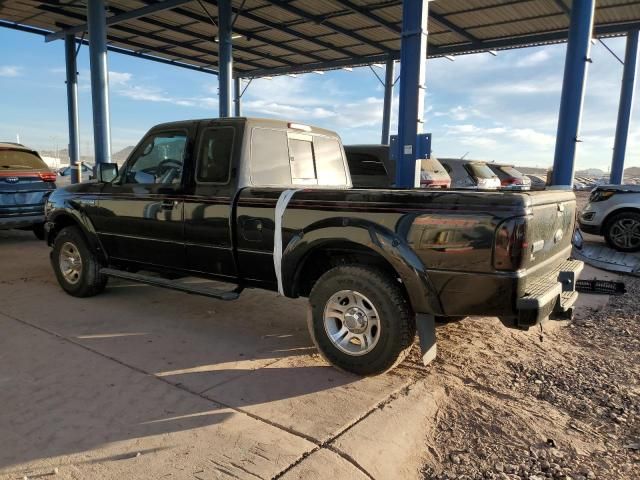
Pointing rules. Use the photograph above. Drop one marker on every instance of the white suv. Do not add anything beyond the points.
(614, 211)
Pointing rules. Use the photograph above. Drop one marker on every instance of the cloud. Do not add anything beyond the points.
(533, 59)
(460, 113)
(10, 71)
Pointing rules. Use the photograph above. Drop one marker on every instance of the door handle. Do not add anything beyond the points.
(168, 204)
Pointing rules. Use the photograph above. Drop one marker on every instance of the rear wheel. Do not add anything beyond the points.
(360, 320)
(75, 265)
(622, 232)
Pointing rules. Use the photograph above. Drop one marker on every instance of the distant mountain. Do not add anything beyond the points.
(590, 172)
(532, 170)
(632, 172)
(120, 156)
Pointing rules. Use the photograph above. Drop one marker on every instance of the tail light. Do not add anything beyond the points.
(509, 181)
(47, 176)
(510, 244)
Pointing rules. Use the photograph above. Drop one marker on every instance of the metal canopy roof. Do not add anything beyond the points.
(275, 37)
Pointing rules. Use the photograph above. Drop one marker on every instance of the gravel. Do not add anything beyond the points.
(564, 404)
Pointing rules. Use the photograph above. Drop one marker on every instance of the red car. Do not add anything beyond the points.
(25, 183)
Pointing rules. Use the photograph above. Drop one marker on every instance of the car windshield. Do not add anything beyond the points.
(20, 160)
(481, 170)
(512, 172)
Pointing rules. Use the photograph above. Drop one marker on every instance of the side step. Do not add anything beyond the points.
(172, 284)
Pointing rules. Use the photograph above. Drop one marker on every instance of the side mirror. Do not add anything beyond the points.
(106, 172)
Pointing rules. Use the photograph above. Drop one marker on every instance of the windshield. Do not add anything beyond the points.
(20, 160)
(512, 172)
(481, 170)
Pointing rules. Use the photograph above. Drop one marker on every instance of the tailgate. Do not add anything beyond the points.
(22, 195)
(549, 228)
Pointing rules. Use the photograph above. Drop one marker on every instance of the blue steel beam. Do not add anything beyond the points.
(575, 77)
(99, 80)
(237, 93)
(72, 104)
(388, 100)
(123, 51)
(225, 62)
(413, 60)
(625, 108)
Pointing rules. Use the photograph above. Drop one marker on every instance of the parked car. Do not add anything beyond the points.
(25, 182)
(510, 177)
(87, 172)
(537, 181)
(371, 166)
(269, 204)
(613, 211)
(471, 174)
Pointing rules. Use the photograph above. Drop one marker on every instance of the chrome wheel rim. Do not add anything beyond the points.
(70, 263)
(625, 233)
(351, 322)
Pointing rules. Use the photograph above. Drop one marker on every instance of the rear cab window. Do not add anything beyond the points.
(11, 159)
(282, 158)
(480, 170)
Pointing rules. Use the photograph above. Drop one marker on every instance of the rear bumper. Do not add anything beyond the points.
(25, 221)
(553, 294)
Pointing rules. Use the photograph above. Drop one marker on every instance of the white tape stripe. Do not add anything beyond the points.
(281, 206)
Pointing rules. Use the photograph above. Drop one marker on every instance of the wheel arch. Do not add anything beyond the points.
(314, 251)
(617, 211)
(68, 219)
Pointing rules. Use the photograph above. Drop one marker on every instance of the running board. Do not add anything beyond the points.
(172, 284)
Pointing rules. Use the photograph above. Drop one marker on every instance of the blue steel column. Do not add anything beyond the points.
(72, 104)
(96, 19)
(225, 66)
(413, 60)
(237, 86)
(575, 77)
(388, 100)
(624, 110)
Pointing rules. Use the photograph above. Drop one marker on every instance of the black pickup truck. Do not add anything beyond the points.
(269, 204)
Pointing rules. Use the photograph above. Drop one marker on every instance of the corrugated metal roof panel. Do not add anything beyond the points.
(289, 35)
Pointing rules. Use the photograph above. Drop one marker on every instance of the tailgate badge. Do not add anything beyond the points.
(11, 179)
(557, 237)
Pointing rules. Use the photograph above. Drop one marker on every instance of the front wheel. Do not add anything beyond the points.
(622, 232)
(75, 265)
(360, 320)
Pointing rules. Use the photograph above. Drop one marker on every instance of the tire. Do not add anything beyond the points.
(82, 278)
(388, 322)
(38, 231)
(622, 232)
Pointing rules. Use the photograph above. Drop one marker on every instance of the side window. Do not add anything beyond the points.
(159, 160)
(365, 164)
(269, 157)
(301, 158)
(329, 161)
(214, 157)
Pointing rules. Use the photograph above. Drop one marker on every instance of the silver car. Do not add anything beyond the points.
(614, 212)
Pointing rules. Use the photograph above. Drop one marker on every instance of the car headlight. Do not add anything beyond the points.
(600, 195)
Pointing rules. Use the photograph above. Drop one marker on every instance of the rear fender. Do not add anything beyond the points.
(372, 236)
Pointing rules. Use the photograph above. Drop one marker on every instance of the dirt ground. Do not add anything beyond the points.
(559, 403)
(142, 383)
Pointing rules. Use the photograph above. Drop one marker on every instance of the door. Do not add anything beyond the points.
(208, 209)
(140, 215)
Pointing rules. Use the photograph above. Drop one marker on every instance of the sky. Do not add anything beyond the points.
(502, 108)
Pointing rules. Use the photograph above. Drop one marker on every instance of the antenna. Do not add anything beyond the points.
(462, 157)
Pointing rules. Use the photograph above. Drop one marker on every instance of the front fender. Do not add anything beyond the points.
(372, 236)
(70, 213)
